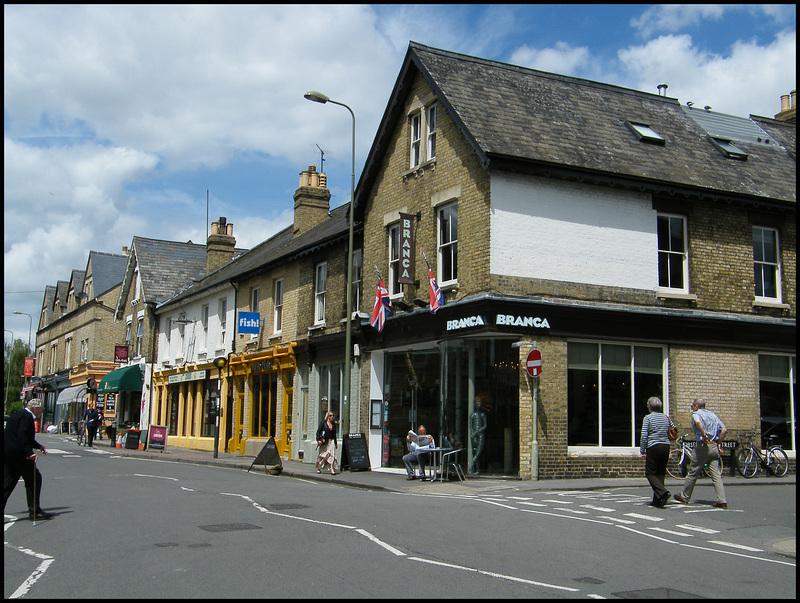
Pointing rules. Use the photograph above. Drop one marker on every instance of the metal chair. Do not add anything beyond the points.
(450, 460)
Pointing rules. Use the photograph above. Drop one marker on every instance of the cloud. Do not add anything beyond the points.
(672, 18)
(562, 58)
(713, 79)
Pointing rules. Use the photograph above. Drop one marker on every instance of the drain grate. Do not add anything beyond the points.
(285, 506)
(588, 580)
(657, 593)
(229, 527)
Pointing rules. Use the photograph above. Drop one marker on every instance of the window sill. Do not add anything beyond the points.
(319, 327)
(765, 303)
(419, 170)
(594, 451)
(661, 294)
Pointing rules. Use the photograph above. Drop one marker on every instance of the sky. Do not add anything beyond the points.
(123, 121)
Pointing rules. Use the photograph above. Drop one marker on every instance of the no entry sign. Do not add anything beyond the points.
(534, 363)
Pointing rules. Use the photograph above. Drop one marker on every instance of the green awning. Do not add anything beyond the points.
(125, 379)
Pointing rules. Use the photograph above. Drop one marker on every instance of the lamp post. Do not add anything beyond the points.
(318, 97)
(220, 363)
(30, 325)
(8, 378)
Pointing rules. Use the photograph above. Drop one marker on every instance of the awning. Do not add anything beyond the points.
(71, 394)
(125, 379)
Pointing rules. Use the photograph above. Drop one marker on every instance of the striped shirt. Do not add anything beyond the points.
(654, 430)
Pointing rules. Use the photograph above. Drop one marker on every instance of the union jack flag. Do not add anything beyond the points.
(382, 308)
(437, 297)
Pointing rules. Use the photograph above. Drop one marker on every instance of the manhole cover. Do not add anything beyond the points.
(285, 506)
(229, 527)
(657, 593)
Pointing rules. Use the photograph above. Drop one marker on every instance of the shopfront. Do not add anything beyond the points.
(70, 407)
(119, 396)
(461, 374)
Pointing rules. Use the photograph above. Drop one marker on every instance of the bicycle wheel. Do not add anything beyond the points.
(778, 461)
(748, 462)
(674, 467)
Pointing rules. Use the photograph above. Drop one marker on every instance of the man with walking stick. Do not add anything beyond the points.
(19, 458)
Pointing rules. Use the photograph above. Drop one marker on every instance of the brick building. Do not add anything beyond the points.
(643, 247)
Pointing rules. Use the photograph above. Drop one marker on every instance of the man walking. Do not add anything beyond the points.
(709, 432)
(19, 458)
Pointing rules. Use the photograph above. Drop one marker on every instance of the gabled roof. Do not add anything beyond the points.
(275, 251)
(76, 281)
(108, 270)
(522, 119)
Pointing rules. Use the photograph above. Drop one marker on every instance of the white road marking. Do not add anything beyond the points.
(618, 519)
(494, 574)
(645, 517)
(602, 509)
(674, 533)
(26, 585)
(686, 526)
(736, 546)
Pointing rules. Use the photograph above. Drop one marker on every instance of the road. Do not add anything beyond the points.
(147, 528)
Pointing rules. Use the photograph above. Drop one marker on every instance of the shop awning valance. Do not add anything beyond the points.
(125, 379)
(71, 394)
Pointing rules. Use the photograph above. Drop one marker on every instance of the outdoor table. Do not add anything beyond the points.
(436, 458)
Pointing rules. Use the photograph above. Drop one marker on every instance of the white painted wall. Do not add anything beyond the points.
(564, 231)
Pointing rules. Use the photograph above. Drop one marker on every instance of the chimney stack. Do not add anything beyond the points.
(311, 200)
(788, 107)
(220, 245)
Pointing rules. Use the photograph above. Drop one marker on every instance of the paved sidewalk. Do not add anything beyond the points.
(394, 480)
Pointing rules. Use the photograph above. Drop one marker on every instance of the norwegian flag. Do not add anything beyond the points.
(383, 305)
(437, 297)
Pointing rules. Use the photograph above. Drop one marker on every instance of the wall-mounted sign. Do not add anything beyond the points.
(28, 370)
(465, 323)
(406, 249)
(191, 376)
(248, 322)
(120, 353)
(510, 320)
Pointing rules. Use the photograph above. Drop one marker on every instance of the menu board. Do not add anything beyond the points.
(354, 454)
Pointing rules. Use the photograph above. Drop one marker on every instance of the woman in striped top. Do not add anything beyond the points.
(654, 448)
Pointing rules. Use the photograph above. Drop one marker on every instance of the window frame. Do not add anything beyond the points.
(432, 128)
(358, 270)
(277, 305)
(415, 146)
(222, 317)
(320, 288)
(448, 247)
(671, 254)
(393, 286)
(774, 266)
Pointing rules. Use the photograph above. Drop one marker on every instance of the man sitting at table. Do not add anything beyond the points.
(416, 453)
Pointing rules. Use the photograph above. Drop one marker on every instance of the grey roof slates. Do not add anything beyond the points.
(108, 270)
(549, 119)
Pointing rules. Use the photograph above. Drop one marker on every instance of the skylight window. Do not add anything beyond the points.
(645, 133)
(728, 149)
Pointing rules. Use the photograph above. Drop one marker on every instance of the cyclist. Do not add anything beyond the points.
(709, 432)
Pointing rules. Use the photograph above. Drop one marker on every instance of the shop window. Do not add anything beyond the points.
(264, 395)
(330, 390)
(673, 261)
(766, 263)
(608, 386)
(777, 383)
(209, 393)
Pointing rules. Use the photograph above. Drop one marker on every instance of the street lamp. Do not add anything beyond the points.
(30, 325)
(8, 379)
(220, 363)
(318, 97)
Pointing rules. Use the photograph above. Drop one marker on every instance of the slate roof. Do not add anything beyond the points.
(108, 270)
(543, 123)
(279, 249)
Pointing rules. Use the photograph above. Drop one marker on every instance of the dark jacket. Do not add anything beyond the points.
(325, 434)
(19, 437)
(92, 417)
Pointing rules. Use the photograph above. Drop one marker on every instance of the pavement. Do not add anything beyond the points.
(394, 480)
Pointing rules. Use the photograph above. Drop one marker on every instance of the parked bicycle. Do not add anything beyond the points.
(750, 459)
(680, 458)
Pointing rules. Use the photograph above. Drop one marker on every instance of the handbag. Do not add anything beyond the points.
(672, 432)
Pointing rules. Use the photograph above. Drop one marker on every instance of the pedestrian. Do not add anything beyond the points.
(654, 447)
(92, 420)
(419, 447)
(19, 459)
(326, 440)
(709, 432)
